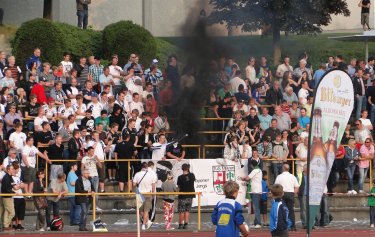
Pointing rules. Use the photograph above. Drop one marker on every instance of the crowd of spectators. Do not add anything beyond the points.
(93, 112)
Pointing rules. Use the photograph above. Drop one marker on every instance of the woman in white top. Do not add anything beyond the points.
(301, 152)
(250, 71)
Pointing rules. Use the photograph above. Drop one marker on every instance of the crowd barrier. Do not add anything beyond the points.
(198, 194)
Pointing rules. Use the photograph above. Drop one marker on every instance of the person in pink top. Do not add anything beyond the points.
(367, 153)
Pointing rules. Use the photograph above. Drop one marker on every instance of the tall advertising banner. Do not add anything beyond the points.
(331, 111)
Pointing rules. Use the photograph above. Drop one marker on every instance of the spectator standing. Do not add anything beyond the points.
(255, 178)
(265, 119)
(365, 13)
(352, 156)
(19, 201)
(359, 92)
(29, 153)
(264, 198)
(74, 208)
(367, 154)
(236, 82)
(145, 181)
(40, 201)
(8, 186)
(274, 96)
(173, 74)
(34, 60)
(95, 71)
(283, 119)
(91, 162)
(361, 133)
(100, 150)
(56, 152)
(84, 184)
(282, 68)
(301, 152)
(59, 187)
(290, 186)
(185, 183)
(18, 140)
(83, 13)
(302, 196)
(280, 153)
(168, 200)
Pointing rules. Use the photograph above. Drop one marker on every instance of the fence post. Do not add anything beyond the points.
(46, 172)
(199, 152)
(94, 207)
(204, 152)
(293, 168)
(199, 211)
(129, 183)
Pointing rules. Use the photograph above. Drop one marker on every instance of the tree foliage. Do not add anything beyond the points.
(298, 16)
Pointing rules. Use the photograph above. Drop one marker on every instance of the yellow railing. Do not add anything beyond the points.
(111, 194)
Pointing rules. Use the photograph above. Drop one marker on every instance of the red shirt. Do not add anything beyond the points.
(152, 104)
(38, 90)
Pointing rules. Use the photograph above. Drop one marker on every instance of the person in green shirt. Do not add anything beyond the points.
(371, 203)
(103, 119)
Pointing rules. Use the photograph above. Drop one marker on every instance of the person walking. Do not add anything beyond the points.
(290, 187)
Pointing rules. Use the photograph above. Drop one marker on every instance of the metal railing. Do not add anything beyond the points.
(93, 195)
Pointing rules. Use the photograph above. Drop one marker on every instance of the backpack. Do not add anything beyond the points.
(57, 224)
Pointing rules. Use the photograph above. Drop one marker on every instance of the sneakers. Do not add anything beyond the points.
(98, 208)
(372, 226)
(143, 227)
(361, 192)
(353, 192)
(149, 224)
(19, 227)
(185, 226)
(42, 229)
(180, 226)
(257, 226)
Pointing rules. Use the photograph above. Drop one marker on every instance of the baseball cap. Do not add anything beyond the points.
(154, 61)
(43, 79)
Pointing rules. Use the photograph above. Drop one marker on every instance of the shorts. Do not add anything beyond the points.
(122, 172)
(28, 174)
(111, 165)
(101, 172)
(263, 207)
(184, 205)
(365, 19)
(19, 208)
(146, 206)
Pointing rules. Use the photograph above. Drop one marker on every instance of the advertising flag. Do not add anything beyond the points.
(331, 111)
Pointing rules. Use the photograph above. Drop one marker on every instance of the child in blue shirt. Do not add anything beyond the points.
(264, 198)
(227, 215)
(279, 220)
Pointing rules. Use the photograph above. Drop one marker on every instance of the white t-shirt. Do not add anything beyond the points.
(288, 181)
(158, 154)
(145, 185)
(72, 91)
(302, 94)
(17, 180)
(366, 122)
(19, 140)
(95, 108)
(90, 164)
(30, 153)
(146, 93)
(50, 112)
(67, 66)
(38, 122)
(98, 150)
(137, 105)
(114, 72)
(256, 180)
(81, 110)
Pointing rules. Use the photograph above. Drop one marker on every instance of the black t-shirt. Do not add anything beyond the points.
(131, 132)
(56, 153)
(176, 151)
(124, 150)
(43, 137)
(365, 9)
(186, 184)
(32, 110)
(252, 122)
(29, 86)
(89, 123)
(371, 92)
(84, 93)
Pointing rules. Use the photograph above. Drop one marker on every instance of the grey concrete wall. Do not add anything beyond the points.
(161, 17)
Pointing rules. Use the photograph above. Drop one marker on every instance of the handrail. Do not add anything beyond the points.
(110, 194)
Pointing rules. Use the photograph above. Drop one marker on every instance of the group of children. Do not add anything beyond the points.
(229, 221)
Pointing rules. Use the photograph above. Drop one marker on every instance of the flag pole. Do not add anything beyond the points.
(138, 217)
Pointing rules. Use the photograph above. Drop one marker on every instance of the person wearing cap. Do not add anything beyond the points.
(58, 94)
(39, 91)
(95, 106)
(96, 70)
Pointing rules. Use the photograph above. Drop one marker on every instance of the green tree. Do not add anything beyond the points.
(295, 16)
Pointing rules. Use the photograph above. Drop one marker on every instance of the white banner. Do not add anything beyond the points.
(210, 175)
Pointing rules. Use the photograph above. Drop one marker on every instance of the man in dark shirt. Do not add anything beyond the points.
(43, 140)
(365, 14)
(130, 130)
(175, 151)
(8, 186)
(185, 183)
(272, 131)
(55, 152)
(88, 122)
(124, 150)
(252, 119)
(241, 94)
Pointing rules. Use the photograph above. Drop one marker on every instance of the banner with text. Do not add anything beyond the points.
(210, 176)
(332, 108)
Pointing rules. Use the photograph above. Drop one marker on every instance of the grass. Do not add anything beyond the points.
(317, 47)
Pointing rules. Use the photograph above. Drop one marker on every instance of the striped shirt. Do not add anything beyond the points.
(96, 71)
